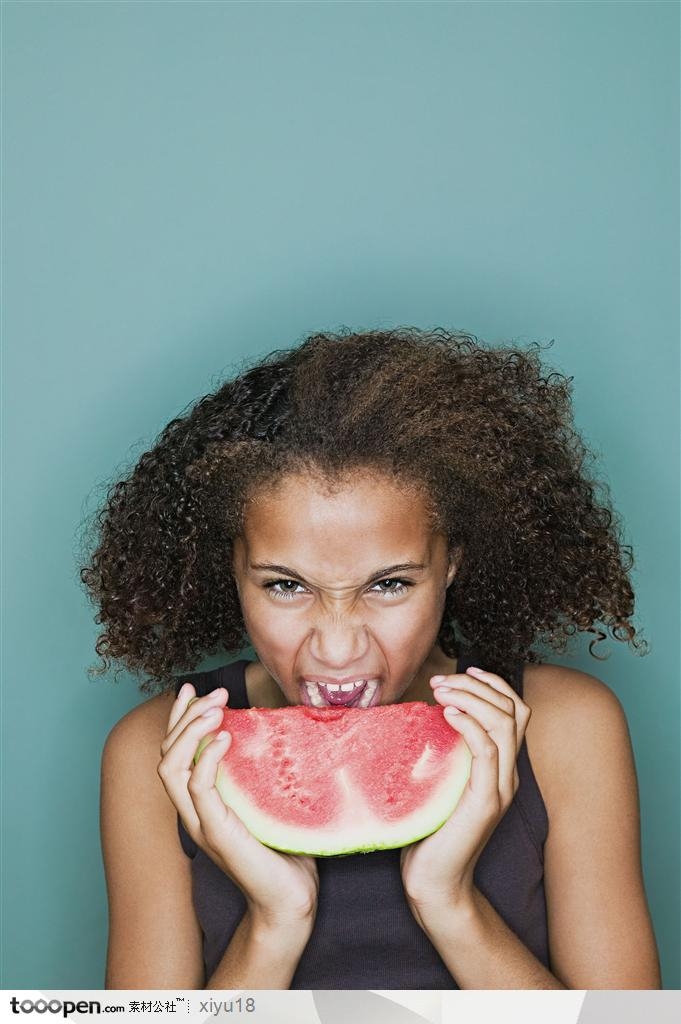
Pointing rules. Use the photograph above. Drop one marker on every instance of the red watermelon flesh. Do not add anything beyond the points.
(329, 781)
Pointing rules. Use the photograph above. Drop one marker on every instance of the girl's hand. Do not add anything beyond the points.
(492, 719)
(278, 887)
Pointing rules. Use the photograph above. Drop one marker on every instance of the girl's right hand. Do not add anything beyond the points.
(279, 887)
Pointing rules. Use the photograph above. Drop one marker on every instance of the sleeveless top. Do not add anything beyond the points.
(365, 936)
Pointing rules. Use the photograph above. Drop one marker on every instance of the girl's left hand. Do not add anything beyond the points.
(492, 719)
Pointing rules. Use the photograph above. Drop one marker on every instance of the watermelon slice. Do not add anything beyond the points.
(329, 781)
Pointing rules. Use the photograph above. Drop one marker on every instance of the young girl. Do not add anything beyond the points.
(403, 514)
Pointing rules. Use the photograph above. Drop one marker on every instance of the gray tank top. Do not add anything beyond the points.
(365, 936)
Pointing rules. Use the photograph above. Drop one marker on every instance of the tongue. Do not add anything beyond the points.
(341, 697)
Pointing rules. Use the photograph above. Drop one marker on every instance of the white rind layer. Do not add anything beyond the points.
(356, 829)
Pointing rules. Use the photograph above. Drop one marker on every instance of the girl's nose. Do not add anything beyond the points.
(339, 645)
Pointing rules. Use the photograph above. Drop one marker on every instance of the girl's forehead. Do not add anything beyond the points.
(361, 503)
(337, 538)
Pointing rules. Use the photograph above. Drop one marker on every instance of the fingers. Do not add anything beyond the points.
(492, 689)
(178, 754)
(214, 816)
(185, 696)
(522, 711)
(187, 708)
(187, 726)
(487, 718)
(492, 768)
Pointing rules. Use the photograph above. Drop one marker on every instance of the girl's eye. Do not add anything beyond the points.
(400, 588)
(286, 594)
(396, 588)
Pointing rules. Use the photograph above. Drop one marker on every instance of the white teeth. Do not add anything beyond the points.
(336, 687)
(316, 699)
(315, 696)
(372, 686)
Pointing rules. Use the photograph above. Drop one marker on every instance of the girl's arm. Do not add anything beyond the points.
(155, 940)
(154, 936)
(261, 955)
(600, 932)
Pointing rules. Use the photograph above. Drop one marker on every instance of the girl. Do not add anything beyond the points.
(403, 513)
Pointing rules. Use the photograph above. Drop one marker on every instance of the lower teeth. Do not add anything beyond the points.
(318, 701)
(315, 696)
(365, 699)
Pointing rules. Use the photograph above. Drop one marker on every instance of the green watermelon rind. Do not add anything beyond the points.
(418, 825)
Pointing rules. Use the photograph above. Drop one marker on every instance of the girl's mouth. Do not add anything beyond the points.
(361, 694)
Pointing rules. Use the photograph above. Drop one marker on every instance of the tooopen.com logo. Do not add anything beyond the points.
(54, 1006)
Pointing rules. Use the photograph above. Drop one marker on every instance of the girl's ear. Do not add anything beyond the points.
(455, 559)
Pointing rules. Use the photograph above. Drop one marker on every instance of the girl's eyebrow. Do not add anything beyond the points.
(387, 571)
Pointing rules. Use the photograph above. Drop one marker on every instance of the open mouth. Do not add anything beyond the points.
(361, 694)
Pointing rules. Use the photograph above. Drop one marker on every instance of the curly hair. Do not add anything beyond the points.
(483, 432)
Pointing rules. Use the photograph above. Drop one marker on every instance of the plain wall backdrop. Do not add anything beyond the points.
(188, 185)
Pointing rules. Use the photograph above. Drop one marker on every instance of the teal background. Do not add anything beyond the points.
(187, 185)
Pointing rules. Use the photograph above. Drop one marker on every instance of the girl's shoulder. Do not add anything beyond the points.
(573, 713)
(143, 725)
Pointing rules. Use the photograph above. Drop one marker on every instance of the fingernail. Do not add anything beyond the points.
(222, 736)
(450, 711)
(211, 713)
(437, 679)
(476, 671)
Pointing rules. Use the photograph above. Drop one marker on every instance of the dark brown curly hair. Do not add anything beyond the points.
(483, 432)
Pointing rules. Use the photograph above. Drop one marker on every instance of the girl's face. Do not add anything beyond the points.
(343, 595)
